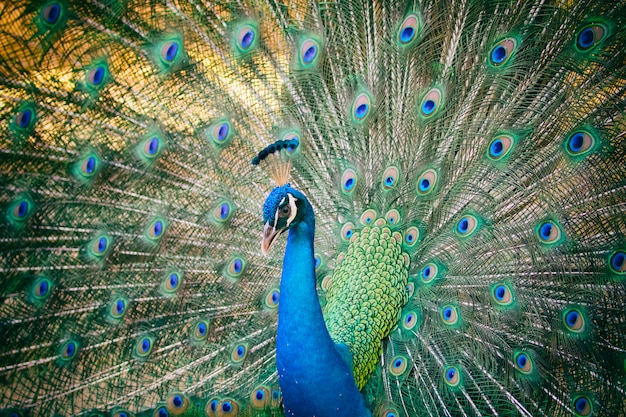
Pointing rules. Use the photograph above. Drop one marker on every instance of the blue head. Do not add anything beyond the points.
(284, 208)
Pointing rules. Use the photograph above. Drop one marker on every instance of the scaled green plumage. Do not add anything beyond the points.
(367, 291)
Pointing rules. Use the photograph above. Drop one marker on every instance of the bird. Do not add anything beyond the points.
(303, 208)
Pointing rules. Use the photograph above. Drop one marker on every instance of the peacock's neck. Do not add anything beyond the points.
(314, 378)
(299, 311)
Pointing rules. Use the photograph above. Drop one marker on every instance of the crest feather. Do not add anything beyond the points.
(277, 158)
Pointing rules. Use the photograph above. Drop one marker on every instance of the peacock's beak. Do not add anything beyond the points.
(269, 235)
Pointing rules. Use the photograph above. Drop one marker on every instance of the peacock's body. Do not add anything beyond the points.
(456, 208)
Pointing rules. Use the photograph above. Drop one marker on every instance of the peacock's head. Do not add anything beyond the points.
(284, 208)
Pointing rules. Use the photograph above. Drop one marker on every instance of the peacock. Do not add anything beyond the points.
(313, 208)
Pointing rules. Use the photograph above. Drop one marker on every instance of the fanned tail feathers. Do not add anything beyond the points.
(489, 136)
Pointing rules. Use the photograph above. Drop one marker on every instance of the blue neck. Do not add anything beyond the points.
(314, 379)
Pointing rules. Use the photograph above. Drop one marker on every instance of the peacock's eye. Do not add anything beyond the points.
(284, 211)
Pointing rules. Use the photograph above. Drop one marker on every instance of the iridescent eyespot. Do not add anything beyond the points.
(591, 36)
(155, 229)
(368, 217)
(393, 217)
(22, 124)
(410, 289)
(41, 288)
(272, 298)
(309, 53)
(410, 320)
(450, 315)
(582, 405)
(361, 107)
(117, 308)
(411, 235)
(151, 147)
(398, 366)
(502, 52)
(574, 320)
(426, 182)
(99, 246)
(86, 168)
(169, 51)
(228, 408)
(161, 412)
(172, 282)
(97, 75)
(466, 226)
(389, 412)
(390, 177)
(431, 103)
(502, 295)
(24, 118)
(222, 212)
(121, 413)
(617, 262)
(549, 232)
(500, 147)
(407, 33)
(429, 272)
(235, 268)
(51, 12)
(260, 397)
(143, 346)
(177, 403)
(89, 165)
(69, 349)
(347, 231)
(276, 396)
(452, 376)
(348, 181)
(523, 363)
(318, 261)
(199, 331)
(580, 143)
(221, 132)
(246, 37)
(211, 407)
(20, 209)
(292, 137)
(238, 354)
